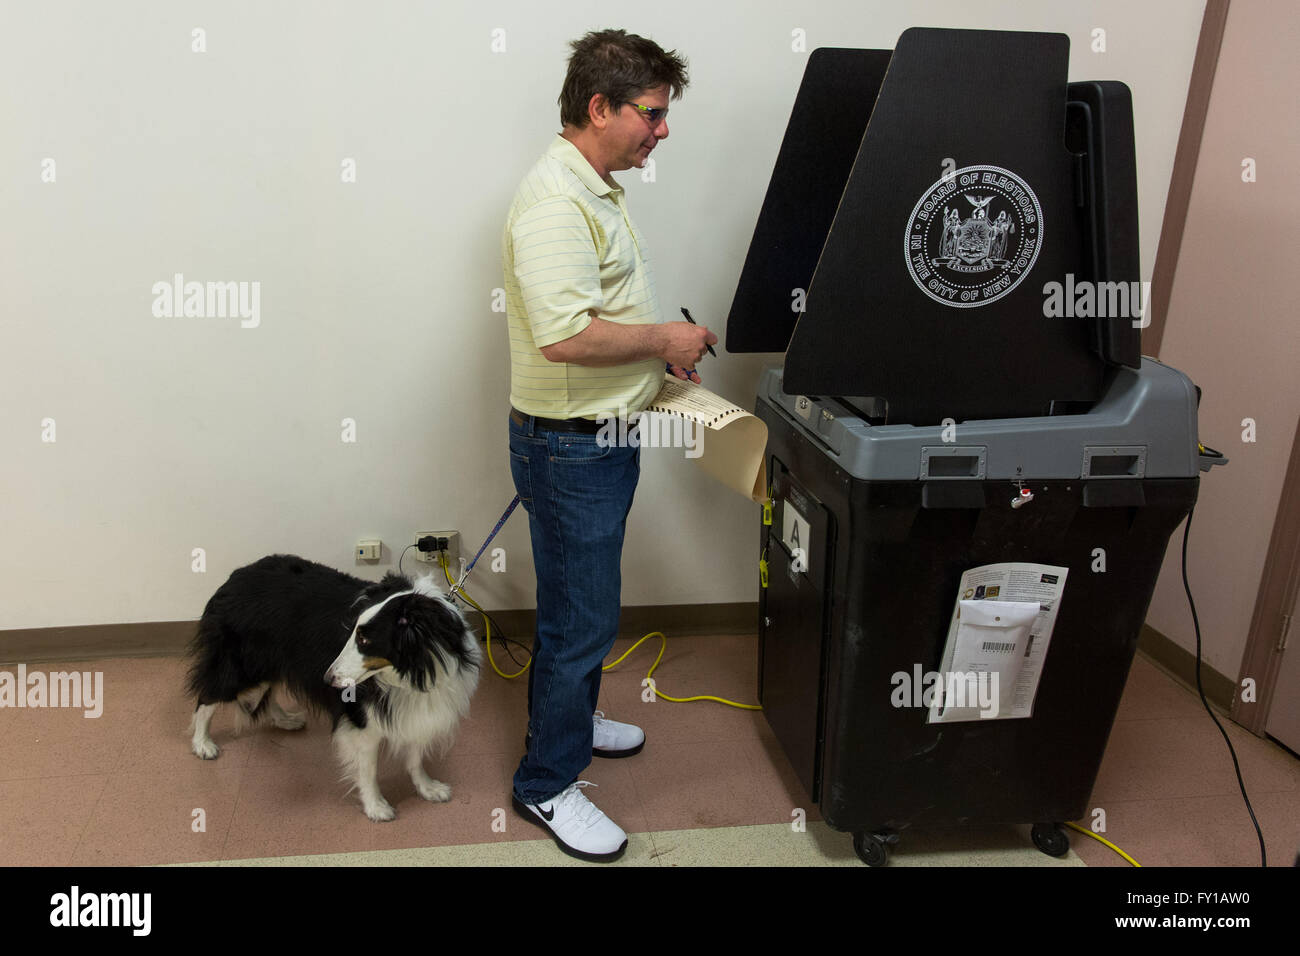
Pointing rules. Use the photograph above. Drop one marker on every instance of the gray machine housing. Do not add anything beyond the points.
(1143, 427)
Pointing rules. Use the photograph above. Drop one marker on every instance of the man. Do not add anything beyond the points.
(586, 341)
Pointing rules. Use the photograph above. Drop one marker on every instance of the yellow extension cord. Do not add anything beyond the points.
(663, 646)
(1086, 832)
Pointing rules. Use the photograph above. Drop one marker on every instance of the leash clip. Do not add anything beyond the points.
(459, 586)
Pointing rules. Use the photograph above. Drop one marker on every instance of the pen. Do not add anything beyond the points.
(693, 322)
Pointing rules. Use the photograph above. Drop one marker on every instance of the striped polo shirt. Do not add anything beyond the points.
(570, 250)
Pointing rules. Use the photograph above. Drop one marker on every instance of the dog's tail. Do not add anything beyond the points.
(214, 675)
(209, 673)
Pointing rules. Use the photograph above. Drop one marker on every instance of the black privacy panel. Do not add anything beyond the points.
(962, 205)
(1099, 127)
(830, 114)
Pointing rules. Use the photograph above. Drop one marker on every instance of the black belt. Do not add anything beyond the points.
(582, 426)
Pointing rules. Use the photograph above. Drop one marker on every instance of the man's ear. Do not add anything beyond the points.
(598, 110)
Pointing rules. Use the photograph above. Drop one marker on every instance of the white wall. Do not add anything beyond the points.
(1232, 328)
(175, 433)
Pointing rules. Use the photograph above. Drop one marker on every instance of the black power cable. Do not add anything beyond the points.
(508, 640)
(1263, 857)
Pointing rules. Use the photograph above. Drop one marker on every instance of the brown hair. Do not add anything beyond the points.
(620, 65)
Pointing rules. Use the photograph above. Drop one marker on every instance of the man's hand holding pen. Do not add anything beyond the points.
(687, 346)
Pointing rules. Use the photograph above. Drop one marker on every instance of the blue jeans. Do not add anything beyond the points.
(577, 494)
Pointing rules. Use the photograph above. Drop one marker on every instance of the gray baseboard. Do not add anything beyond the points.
(95, 642)
(1181, 664)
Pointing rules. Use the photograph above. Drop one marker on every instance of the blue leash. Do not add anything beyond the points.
(470, 567)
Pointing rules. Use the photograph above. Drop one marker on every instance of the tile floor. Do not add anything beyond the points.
(711, 787)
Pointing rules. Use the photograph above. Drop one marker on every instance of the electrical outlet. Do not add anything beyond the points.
(453, 550)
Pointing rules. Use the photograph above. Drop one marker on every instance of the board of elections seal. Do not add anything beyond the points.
(973, 236)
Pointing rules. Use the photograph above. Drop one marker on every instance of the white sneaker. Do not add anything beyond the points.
(578, 826)
(612, 739)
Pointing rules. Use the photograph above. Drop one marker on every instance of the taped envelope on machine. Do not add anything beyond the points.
(997, 641)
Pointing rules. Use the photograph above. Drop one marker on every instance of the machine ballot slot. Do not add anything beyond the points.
(953, 461)
(1108, 461)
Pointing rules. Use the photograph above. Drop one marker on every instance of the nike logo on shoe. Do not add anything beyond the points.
(577, 825)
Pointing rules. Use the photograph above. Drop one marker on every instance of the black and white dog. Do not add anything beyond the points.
(392, 663)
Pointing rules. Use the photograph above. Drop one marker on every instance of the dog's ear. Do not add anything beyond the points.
(407, 623)
(435, 628)
(421, 619)
(391, 583)
(395, 582)
(418, 647)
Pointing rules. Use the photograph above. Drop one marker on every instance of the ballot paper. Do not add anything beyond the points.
(1001, 626)
(732, 446)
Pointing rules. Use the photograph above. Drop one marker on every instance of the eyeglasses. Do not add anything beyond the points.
(655, 115)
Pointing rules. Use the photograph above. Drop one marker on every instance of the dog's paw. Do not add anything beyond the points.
(435, 791)
(207, 749)
(288, 721)
(381, 811)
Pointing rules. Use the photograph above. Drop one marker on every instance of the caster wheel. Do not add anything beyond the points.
(873, 848)
(1051, 839)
